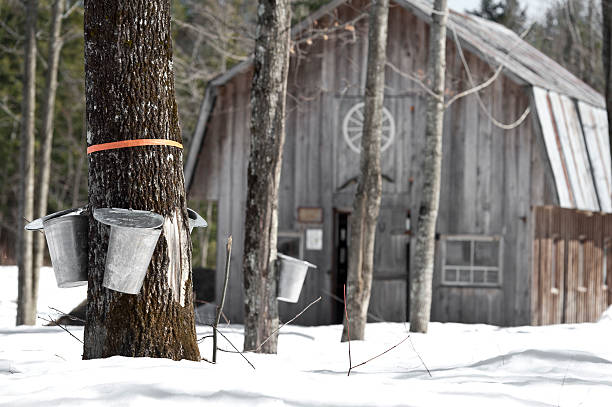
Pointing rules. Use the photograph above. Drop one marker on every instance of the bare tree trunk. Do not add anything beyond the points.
(606, 7)
(26, 305)
(421, 277)
(366, 206)
(269, 87)
(130, 95)
(55, 46)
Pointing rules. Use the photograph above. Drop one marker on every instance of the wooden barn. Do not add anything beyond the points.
(523, 232)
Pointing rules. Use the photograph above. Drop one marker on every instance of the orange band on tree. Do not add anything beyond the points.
(133, 143)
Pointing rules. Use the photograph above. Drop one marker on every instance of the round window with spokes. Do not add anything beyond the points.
(352, 128)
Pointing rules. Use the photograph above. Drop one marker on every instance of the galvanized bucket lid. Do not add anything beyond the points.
(128, 218)
(284, 257)
(37, 224)
(195, 220)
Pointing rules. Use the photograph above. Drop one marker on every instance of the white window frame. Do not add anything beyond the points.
(472, 239)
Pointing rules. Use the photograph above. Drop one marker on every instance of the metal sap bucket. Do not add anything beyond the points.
(292, 274)
(132, 241)
(195, 220)
(67, 235)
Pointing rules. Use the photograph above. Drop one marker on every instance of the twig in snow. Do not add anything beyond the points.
(71, 317)
(220, 307)
(382, 353)
(563, 383)
(51, 320)
(348, 333)
(286, 323)
(420, 358)
(277, 329)
(230, 342)
(205, 337)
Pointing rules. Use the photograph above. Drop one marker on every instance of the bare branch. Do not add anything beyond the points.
(493, 77)
(495, 122)
(71, 317)
(286, 323)
(75, 5)
(420, 358)
(416, 79)
(382, 353)
(9, 112)
(52, 321)
(230, 342)
(228, 257)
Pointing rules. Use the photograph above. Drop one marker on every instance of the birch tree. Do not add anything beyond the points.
(130, 95)
(55, 47)
(269, 87)
(26, 304)
(421, 277)
(366, 205)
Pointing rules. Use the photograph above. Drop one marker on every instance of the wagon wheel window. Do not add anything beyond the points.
(352, 128)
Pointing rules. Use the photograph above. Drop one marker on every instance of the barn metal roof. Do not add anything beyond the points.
(497, 45)
(571, 114)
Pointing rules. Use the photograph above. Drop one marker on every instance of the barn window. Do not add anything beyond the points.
(290, 243)
(472, 260)
(352, 128)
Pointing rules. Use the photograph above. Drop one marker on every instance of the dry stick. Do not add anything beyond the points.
(420, 358)
(71, 317)
(220, 307)
(278, 329)
(287, 323)
(56, 324)
(230, 342)
(348, 333)
(382, 353)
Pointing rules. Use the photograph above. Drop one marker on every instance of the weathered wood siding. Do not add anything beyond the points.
(490, 176)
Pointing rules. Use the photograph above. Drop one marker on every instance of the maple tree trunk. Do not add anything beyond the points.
(269, 87)
(422, 274)
(130, 95)
(26, 303)
(366, 205)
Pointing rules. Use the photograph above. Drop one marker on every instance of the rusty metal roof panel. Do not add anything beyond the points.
(568, 154)
(499, 45)
(595, 127)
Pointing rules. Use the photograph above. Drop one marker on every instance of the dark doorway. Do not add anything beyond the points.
(341, 236)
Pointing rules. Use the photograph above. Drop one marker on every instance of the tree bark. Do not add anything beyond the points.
(130, 94)
(366, 205)
(269, 87)
(421, 278)
(55, 46)
(26, 304)
(606, 7)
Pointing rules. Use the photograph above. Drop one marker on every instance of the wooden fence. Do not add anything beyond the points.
(572, 266)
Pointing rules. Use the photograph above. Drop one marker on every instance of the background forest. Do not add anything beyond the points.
(210, 36)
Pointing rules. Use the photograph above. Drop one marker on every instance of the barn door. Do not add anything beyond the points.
(389, 299)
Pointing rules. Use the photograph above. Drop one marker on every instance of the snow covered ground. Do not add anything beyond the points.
(471, 365)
